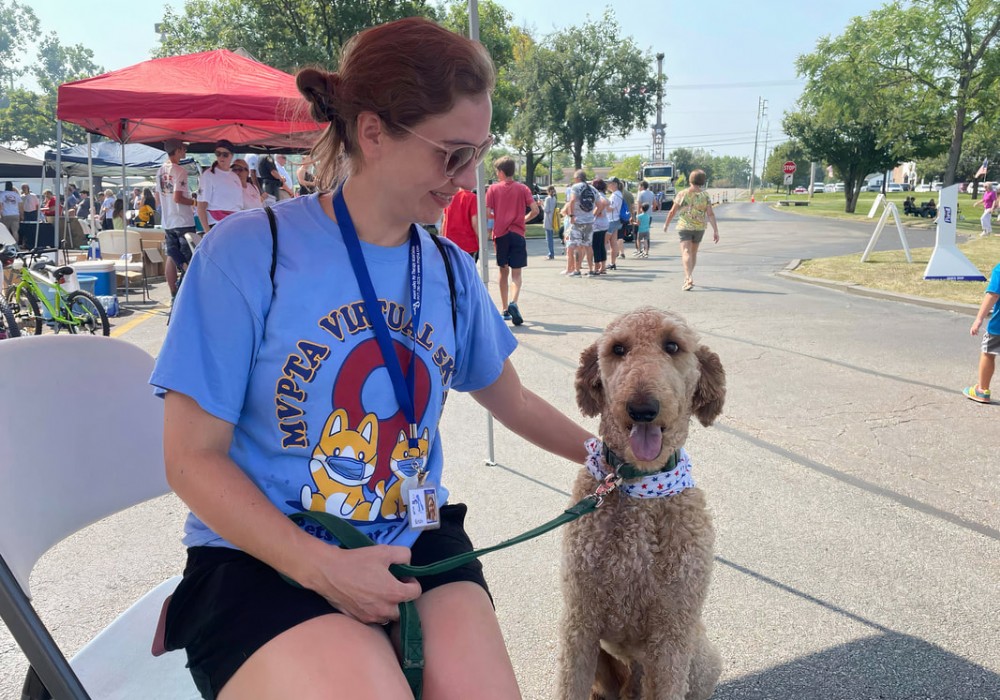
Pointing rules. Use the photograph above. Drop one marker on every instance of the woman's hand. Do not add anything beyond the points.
(358, 583)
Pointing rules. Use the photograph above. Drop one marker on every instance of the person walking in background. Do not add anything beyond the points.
(989, 205)
(506, 201)
(693, 209)
(643, 225)
(990, 308)
(108, 210)
(29, 204)
(304, 174)
(548, 221)
(10, 209)
(220, 192)
(645, 196)
(615, 224)
(176, 211)
(461, 222)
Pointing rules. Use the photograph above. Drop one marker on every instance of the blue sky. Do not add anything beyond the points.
(720, 57)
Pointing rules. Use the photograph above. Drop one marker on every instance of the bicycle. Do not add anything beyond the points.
(77, 311)
(8, 322)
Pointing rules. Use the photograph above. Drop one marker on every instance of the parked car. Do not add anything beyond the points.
(923, 187)
(540, 217)
(830, 187)
(894, 187)
(801, 190)
(818, 187)
(839, 186)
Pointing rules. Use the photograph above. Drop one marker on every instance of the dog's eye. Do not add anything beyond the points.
(618, 349)
(671, 348)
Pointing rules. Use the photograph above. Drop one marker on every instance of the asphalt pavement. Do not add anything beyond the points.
(854, 488)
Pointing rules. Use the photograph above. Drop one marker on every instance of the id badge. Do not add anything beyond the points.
(422, 508)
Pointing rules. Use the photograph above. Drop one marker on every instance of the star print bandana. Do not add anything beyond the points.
(659, 485)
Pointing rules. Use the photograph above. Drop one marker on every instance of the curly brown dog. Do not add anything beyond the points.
(636, 571)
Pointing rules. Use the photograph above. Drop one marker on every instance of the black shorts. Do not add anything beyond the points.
(177, 247)
(229, 604)
(512, 250)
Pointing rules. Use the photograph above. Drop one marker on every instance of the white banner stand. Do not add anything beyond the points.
(947, 261)
(890, 208)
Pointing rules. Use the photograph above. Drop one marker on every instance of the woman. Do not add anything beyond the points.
(49, 204)
(988, 203)
(600, 233)
(307, 181)
(693, 208)
(548, 221)
(252, 198)
(118, 215)
(286, 420)
(146, 215)
(220, 192)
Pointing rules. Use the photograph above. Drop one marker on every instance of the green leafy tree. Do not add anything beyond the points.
(627, 168)
(774, 167)
(18, 29)
(286, 34)
(948, 49)
(595, 83)
(30, 117)
(683, 160)
(730, 171)
(858, 117)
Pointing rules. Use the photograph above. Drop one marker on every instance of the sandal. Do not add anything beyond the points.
(688, 284)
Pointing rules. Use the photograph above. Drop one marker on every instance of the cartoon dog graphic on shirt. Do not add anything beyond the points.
(342, 463)
(404, 464)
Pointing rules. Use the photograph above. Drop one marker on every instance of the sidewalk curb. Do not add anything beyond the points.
(851, 288)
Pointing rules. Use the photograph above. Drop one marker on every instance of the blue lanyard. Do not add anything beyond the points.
(403, 388)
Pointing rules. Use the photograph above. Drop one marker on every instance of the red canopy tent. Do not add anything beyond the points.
(199, 98)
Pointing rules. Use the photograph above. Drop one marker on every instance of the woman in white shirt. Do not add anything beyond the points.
(251, 195)
(220, 192)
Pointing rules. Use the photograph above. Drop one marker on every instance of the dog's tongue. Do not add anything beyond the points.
(646, 440)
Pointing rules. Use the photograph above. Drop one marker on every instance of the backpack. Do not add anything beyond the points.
(587, 197)
(624, 215)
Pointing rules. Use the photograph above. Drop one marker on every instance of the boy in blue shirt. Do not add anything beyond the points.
(642, 235)
(991, 339)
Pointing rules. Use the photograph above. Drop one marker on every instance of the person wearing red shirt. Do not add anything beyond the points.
(461, 222)
(506, 201)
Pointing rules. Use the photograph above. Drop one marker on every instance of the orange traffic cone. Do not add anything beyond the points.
(752, 199)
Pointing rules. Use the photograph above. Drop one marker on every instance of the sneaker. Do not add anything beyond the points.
(515, 314)
(550, 257)
(506, 315)
(612, 267)
(565, 272)
(575, 273)
(983, 234)
(973, 392)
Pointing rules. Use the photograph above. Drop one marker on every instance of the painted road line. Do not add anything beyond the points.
(141, 317)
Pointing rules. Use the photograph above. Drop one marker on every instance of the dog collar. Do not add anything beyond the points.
(670, 480)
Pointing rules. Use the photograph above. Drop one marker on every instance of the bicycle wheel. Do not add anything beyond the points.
(8, 322)
(85, 307)
(27, 313)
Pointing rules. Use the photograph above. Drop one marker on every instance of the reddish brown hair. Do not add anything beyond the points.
(404, 71)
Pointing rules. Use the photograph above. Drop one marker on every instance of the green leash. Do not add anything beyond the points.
(411, 636)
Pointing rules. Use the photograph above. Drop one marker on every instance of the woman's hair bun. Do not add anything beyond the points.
(319, 88)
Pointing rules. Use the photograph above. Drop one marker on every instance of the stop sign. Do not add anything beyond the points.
(789, 167)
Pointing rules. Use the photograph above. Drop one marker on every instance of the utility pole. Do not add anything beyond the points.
(761, 112)
(659, 128)
(763, 161)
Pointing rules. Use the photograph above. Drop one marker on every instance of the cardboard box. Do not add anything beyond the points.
(154, 252)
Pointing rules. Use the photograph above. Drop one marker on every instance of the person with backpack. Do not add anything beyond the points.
(580, 210)
(296, 358)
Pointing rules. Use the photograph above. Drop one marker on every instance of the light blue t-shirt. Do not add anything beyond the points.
(644, 220)
(993, 326)
(316, 423)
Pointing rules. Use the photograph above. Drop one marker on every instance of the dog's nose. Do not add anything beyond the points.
(643, 411)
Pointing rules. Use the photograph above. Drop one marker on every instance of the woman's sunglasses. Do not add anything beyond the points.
(223, 154)
(238, 169)
(457, 157)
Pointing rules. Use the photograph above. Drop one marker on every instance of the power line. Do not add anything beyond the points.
(730, 86)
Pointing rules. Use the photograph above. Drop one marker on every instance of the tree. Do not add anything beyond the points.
(18, 28)
(683, 160)
(30, 117)
(948, 48)
(627, 168)
(858, 117)
(730, 171)
(594, 83)
(285, 34)
(788, 151)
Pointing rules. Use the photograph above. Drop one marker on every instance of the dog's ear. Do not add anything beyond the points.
(589, 389)
(710, 393)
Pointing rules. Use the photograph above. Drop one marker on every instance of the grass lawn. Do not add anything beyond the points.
(889, 271)
(831, 205)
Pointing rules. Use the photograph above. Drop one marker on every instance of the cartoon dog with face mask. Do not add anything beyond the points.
(342, 463)
(404, 463)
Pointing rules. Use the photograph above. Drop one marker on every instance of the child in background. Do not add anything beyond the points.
(991, 339)
(645, 219)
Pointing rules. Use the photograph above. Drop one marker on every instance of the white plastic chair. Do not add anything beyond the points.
(96, 477)
(116, 244)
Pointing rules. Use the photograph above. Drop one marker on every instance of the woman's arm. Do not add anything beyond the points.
(200, 471)
(531, 417)
(710, 213)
